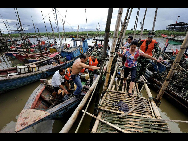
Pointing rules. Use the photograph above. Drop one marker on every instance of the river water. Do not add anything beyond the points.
(12, 102)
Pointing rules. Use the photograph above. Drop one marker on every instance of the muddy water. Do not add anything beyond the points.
(11, 104)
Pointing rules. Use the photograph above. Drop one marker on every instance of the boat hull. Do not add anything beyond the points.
(13, 82)
(37, 110)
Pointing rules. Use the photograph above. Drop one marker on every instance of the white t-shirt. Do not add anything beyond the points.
(57, 79)
(126, 44)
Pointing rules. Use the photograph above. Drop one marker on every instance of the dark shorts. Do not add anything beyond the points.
(56, 89)
(133, 73)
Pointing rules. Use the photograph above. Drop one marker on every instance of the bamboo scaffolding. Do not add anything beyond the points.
(113, 47)
(173, 68)
(73, 117)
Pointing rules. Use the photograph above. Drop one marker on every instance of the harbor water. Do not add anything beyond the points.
(12, 102)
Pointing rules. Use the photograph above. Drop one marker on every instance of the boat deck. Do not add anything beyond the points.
(119, 112)
(142, 119)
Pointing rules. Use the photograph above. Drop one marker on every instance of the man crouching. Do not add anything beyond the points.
(57, 79)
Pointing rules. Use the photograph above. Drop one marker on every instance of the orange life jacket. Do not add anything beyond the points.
(82, 71)
(91, 63)
(150, 47)
(68, 74)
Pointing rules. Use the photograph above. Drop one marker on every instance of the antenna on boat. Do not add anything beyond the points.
(52, 28)
(19, 28)
(44, 24)
(177, 19)
(77, 31)
(57, 24)
(86, 22)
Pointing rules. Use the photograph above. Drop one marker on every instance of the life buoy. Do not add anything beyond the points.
(68, 45)
(81, 50)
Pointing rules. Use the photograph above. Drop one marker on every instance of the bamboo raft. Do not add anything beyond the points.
(142, 115)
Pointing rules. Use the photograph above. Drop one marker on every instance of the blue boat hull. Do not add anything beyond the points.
(14, 82)
(76, 51)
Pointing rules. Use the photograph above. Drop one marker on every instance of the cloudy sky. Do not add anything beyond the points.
(77, 16)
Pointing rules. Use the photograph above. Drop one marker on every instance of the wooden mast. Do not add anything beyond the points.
(113, 47)
(143, 24)
(127, 24)
(154, 19)
(122, 29)
(173, 68)
(136, 22)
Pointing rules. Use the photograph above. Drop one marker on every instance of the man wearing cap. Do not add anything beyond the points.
(127, 44)
(93, 60)
(148, 45)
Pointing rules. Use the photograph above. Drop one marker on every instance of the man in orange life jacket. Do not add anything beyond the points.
(67, 77)
(93, 61)
(148, 45)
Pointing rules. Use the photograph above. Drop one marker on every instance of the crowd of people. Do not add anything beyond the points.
(129, 53)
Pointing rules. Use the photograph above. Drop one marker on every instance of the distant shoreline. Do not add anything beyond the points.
(96, 33)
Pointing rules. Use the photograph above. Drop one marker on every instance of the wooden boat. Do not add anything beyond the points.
(30, 73)
(5, 72)
(75, 51)
(26, 76)
(179, 98)
(39, 107)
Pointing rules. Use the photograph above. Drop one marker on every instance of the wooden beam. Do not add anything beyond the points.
(73, 117)
(113, 47)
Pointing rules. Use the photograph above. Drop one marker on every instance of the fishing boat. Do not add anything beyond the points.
(178, 86)
(30, 73)
(40, 107)
(174, 41)
(73, 51)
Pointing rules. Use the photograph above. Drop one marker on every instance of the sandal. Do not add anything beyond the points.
(130, 94)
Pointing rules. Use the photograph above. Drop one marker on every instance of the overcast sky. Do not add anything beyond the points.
(77, 16)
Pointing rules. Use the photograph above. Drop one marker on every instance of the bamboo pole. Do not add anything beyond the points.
(73, 117)
(155, 110)
(154, 19)
(122, 29)
(173, 68)
(112, 79)
(127, 24)
(143, 24)
(107, 30)
(108, 123)
(113, 47)
(136, 22)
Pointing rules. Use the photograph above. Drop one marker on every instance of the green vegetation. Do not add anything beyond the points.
(101, 33)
